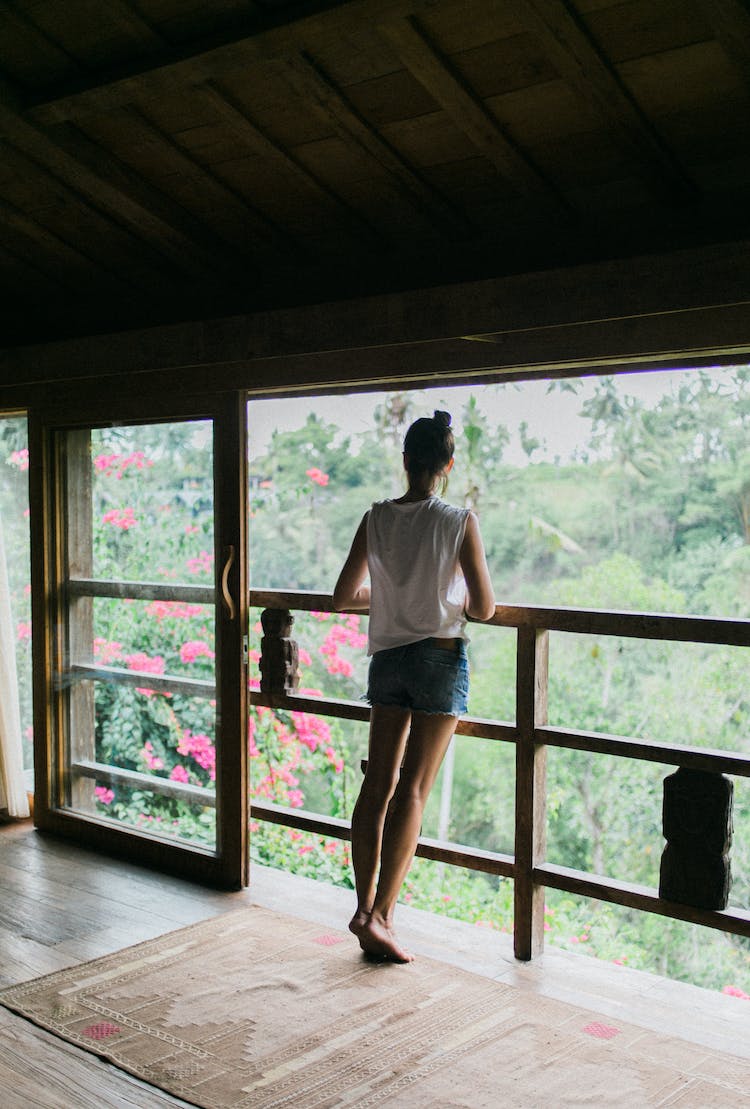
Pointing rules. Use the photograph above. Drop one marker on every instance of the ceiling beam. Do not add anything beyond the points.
(246, 229)
(256, 140)
(450, 90)
(132, 24)
(730, 21)
(117, 202)
(204, 254)
(272, 36)
(55, 251)
(580, 62)
(314, 86)
(22, 21)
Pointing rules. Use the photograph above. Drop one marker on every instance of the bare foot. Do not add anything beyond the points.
(358, 922)
(379, 941)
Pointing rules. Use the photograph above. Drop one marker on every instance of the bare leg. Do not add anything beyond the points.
(427, 743)
(389, 727)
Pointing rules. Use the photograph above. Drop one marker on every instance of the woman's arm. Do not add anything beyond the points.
(480, 596)
(350, 593)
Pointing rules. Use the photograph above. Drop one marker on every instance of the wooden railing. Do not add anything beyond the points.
(531, 735)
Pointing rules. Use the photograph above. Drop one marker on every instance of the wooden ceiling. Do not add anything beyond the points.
(167, 160)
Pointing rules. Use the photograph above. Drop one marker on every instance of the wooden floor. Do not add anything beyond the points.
(61, 905)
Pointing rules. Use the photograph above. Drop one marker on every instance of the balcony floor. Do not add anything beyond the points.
(62, 905)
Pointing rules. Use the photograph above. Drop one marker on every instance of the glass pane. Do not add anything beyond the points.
(14, 532)
(138, 683)
(152, 502)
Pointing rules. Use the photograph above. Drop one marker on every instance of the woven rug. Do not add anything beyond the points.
(258, 1009)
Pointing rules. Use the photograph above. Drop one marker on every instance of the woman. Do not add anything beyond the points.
(428, 572)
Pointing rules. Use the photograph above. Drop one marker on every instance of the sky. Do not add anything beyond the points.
(552, 418)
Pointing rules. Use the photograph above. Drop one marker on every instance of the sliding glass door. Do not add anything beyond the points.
(140, 685)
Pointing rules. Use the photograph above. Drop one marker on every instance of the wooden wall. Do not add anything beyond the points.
(686, 308)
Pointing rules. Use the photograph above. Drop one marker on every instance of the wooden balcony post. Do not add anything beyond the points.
(80, 743)
(531, 790)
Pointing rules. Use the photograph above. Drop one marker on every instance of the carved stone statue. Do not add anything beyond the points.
(697, 824)
(279, 654)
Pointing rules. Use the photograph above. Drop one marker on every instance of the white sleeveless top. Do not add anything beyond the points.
(417, 589)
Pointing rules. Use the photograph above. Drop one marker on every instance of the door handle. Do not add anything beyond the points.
(226, 595)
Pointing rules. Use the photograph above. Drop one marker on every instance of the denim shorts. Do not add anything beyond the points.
(421, 676)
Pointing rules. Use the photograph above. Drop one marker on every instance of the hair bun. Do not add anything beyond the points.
(442, 418)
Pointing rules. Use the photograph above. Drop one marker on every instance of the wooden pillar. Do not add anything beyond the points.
(80, 744)
(531, 791)
(279, 654)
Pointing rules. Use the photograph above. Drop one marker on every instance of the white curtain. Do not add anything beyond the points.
(12, 786)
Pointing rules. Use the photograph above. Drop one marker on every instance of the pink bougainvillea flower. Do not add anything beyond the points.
(106, 796)
(735, 991)
(311, 730)
(149, 664)
(121, 518)
(23, 631)
(20, 459)
(107, 651)
(151, 759)
(201, 564)
(179, 774)
(194, 649)
(178, 609)
(200, 747)
(107, 463)
(317, 476)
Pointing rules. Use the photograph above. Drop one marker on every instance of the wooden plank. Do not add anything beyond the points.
(258, 141)
(355, 710)
(579, 61)
(133, 26)
(637, 625)
(532, 663)
(113, 255)
(41, 1071)
(190, 243)
(192, 687)
(36, 49)
(204, 61)
(734, 921)
(730, 20)
(56, 252)
(79, 741)
(668, 309)
(466, 109)
(698, 758)
(150, 783)
(117, 202)
(309, 80)
(470, 858)
(232, 217)
(141, 590)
